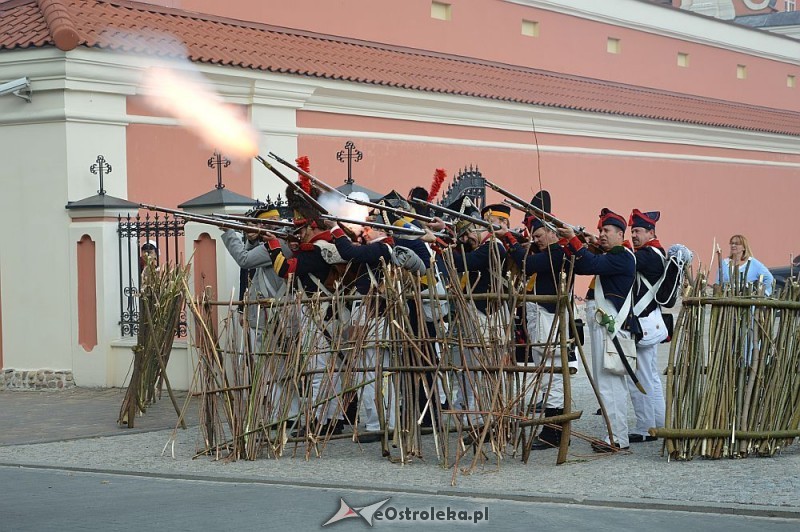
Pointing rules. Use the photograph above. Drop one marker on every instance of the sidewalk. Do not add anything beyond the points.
(76, 429)
(28, 417)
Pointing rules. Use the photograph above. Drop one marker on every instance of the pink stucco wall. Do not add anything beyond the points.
(168, 165)
(491, 30)
(205, 268)
(87, 293)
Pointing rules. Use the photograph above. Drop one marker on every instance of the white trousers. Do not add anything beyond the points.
(368, 399)
(649, 408)
(539, 323)
(492, 329)
(277, 389)
(613, 389)
(324, 384)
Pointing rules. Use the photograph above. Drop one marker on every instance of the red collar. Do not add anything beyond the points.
(325, 236)
(654, 243)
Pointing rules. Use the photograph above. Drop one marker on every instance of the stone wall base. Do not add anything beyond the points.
(33, 379)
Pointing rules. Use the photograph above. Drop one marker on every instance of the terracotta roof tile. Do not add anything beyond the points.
(208, 39)
(23, 25)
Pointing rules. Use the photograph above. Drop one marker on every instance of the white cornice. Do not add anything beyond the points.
(577, 150)
(98, 71)
(677, 24)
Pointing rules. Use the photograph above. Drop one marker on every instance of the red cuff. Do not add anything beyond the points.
(574, 245)
(509, 238)
(439, 246)
(273, 244)
(337, 233)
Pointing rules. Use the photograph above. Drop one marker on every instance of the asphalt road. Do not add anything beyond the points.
(43, 499)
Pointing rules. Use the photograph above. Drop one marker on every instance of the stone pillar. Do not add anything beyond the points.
(274, 113)
(212, 266)
(95, 259)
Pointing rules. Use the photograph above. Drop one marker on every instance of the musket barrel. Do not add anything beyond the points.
(209, 220)
(279, 223)
(451, 212)
(327, 187)
(519, 203)
(376, 225)
(401, 212)
(302, 172)
(522, 208)
(293, 185)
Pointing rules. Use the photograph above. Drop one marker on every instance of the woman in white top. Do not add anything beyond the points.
(748, 267)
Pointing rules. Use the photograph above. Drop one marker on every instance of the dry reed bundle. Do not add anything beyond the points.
(733, 383)
(307, 361)
(160, 304)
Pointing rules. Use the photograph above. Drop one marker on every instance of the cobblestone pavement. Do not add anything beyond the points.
(38, 416)
(76, 429)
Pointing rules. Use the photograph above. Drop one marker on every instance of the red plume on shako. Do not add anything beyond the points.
(304, 164)
(438, 178)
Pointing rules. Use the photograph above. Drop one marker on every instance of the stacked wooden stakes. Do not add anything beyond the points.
(733, 377)
(256, 391)
(160, 305)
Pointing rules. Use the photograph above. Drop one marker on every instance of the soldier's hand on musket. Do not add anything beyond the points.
(428, 237)
(565, 232)
(437, 224)
(590, 239)
(252, 236)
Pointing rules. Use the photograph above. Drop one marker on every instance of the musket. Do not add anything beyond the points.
(521, 204)
(200, 218)
(249, 219)
(524, 209)
(383, 227)
(466, 217)
(395, 210)
(302, 172)
(317, 181)
(294, 185)
(322, 184)
(579, 231)
(410, 231)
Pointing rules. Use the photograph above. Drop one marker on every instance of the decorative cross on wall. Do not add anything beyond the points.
(100, 167)
(352, 155)
(219, 162)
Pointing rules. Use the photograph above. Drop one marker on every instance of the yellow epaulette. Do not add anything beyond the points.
(531, 283)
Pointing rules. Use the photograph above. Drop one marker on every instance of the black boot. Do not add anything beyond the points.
(549, 437)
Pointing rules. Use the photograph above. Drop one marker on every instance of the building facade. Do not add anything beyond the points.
(621, 104)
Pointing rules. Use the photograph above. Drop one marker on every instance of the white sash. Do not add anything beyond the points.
(650, 295)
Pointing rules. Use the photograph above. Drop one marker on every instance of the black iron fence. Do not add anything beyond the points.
(161, 236)
(468, 182)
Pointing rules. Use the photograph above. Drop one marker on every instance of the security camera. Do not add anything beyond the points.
(19, 87)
